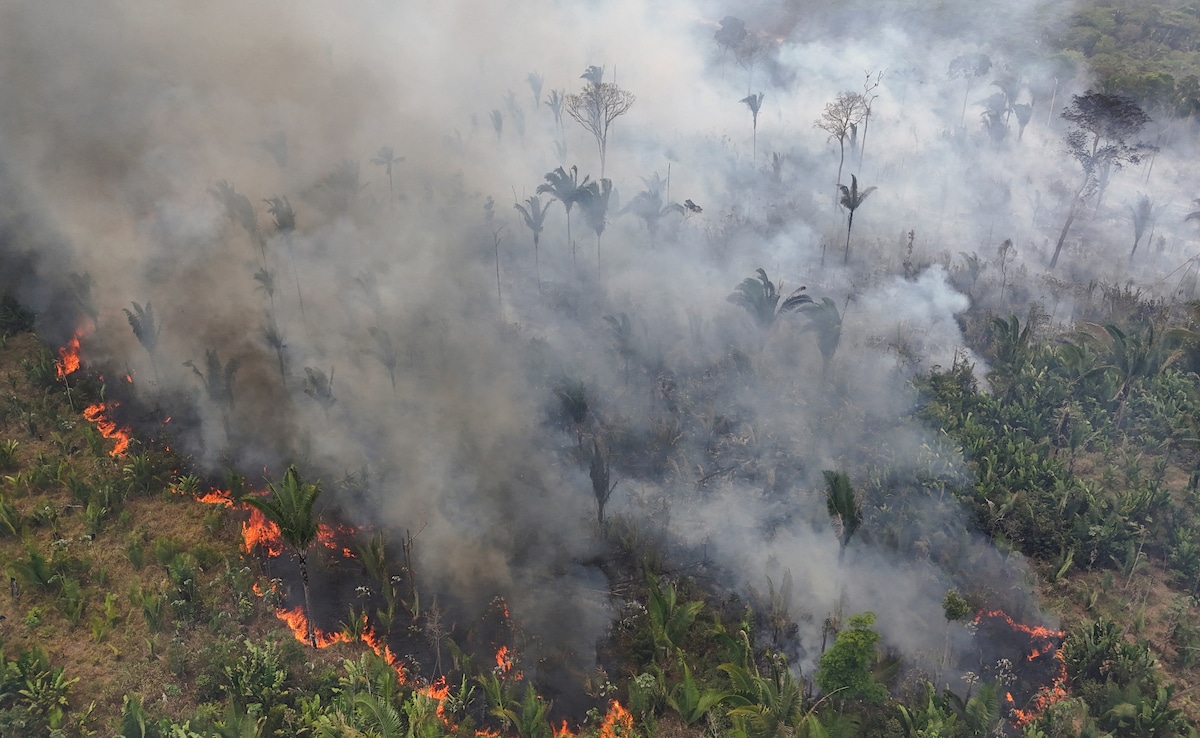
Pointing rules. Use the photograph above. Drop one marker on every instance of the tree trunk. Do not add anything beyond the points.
(841, 161)
(308, 611)
(1062, 237)
(849, 225)
(571, 245)
(537, 267)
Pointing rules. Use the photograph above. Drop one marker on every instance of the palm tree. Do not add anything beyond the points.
(648, 204)
(761, 296)
(567, 189)
(386, 158)
(535, 218)
(142, 322)
(319, 386)
(851, 199)
(290, 507)
(844, 507)
(385, 351)
(754, 102)
(239, 210)
(555, 101)
(600, 472)
(593, 201)
(218, 381)
(826, 322)
(1143, 216)
(535, 81)
(285, 224)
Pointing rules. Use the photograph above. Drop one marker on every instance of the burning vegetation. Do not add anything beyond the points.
(607, 459)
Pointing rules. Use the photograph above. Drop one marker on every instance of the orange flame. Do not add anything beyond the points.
(503, 663)
(438, 692)
(563, 731)
(1044, 641)
(108, 428)
(216, 497)
(487, 733)
(296, 620)
(618, 723)
(258, 531)
(68, 357)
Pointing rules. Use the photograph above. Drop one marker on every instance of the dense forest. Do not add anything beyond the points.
(833, 371)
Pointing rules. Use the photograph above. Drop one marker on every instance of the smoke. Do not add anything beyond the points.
(133, 132)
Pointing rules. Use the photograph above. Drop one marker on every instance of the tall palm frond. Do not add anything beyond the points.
(851, 199)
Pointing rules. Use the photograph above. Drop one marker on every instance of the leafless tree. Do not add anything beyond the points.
(597, 106)
(840, 118)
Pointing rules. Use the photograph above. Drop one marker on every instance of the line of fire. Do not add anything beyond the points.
(1034, 675)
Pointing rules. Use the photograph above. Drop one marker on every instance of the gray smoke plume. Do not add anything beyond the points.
(239, 167)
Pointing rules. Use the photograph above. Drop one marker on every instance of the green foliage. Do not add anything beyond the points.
(257, 677)
(36, 688)
(766, 707)
(845, 669)
(691, 702)
(670, 619)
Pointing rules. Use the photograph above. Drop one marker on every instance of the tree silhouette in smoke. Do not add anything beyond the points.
(218, 381)
(968, 67)
(754, 102)
(1098, 141)
(593, 201)
(839, 120)
(826, 322)
(567, 189)
(535, 81)
(535, 219)
(1143, 216)
(141, 320)
(597, 106)
(649, 207)
(386, 158)
(760, 298)
(852, 198)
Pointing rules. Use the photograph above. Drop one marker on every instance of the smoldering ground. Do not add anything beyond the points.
(401, 324)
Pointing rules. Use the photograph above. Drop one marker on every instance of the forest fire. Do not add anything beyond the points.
(68, 357)
(618, 722)
(108, 428)
(295, 619)
(504, 664)
(438, 691)
(1042, 666)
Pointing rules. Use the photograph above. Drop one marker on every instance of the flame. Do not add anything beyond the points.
(438, 691)
(618, 723)
(383, 651)
(489, 733)
(108, 428)
(1044, 641)
(504, 664)
(68, 357)
(563, 731)
(257, 531)
(296, 620)
(216, 497)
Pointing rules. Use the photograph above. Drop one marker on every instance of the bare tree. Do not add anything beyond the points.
(869, 96)
(839, 119)
(597, 106)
